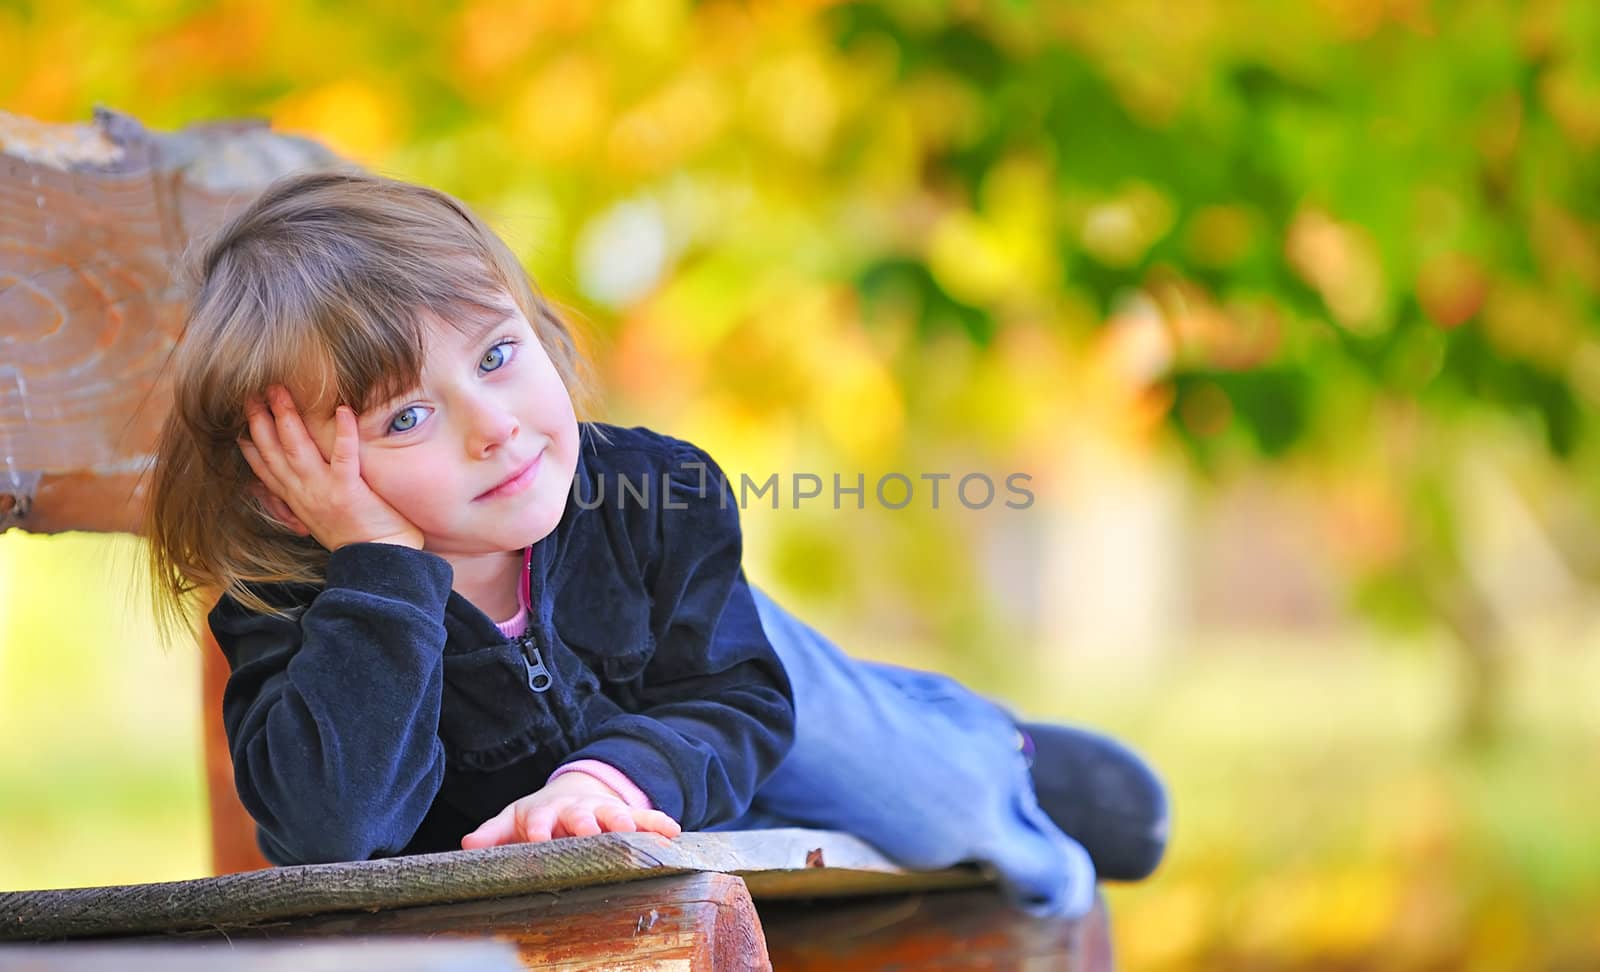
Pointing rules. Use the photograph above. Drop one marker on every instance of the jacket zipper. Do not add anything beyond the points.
(539, 677)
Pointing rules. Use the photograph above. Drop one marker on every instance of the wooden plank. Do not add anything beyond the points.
(769, 859)
(695, 921)
(972, 929)
(93, 220)
(353, 955)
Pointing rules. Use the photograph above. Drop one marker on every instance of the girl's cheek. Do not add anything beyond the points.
(375, 472)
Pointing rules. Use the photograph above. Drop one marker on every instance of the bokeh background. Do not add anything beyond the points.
(1287, 309)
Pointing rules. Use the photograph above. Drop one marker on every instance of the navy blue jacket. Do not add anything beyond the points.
(390, 715)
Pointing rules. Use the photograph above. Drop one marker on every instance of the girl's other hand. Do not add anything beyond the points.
(573, 805)
(312, 494)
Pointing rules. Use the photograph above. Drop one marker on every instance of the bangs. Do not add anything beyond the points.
(372, 337)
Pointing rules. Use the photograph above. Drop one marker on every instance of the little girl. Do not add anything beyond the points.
(457, 616)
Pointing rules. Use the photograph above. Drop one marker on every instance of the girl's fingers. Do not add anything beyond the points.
(497, 830)
(258, 465)
(275, 412)
(346, 438)
(252, 458)
(269, 446)
(535, 823)
(656, 822)
(615, 819)
(263, 430)
(578, 820)
(292, 434)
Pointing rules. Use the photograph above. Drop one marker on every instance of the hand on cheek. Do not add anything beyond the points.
(316, 491)
(575, 805)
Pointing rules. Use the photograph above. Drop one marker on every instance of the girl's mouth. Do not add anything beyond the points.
(517, 481)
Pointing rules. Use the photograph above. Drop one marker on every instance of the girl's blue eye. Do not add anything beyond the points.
(497, 356)
(407, 419)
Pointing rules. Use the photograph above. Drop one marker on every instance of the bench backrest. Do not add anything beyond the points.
(94, 219)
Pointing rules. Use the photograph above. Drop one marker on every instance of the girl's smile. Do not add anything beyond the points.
(516, 483)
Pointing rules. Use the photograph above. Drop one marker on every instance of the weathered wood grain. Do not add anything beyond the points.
(972, 929)
(772, 861)
(694, 921)
(94, 220)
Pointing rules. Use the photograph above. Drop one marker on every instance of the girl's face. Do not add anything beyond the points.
(480, 456)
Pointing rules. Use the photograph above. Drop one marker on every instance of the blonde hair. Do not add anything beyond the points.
(320, 285)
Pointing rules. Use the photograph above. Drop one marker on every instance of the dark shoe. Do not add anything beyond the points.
(1103, 795)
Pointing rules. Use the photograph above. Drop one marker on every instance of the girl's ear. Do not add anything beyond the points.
(279, 510)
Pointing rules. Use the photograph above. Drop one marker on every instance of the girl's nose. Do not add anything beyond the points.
(491, 426)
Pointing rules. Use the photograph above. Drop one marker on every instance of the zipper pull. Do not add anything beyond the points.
(539, 677)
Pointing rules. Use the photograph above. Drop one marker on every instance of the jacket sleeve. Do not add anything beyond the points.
(333, 717)
(712, 713)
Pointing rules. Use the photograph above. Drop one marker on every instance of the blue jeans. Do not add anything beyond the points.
(920, 767)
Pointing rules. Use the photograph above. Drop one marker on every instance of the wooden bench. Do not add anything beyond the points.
(93, 218)
(772, 899)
